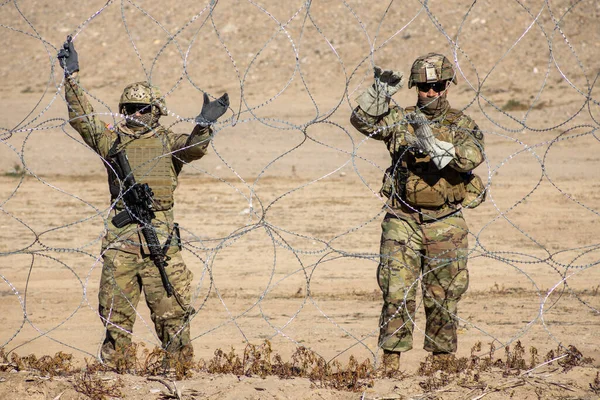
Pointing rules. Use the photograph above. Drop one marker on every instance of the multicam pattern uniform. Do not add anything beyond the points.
(422, 239)
(156, 158)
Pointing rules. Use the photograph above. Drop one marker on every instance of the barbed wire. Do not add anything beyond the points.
(308, 253)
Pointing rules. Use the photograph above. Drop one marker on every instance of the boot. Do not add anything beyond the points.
(181, 359)
(391, 362)
(107, 353)
(185, 355)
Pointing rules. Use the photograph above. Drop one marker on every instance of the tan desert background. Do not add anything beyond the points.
(281, 219)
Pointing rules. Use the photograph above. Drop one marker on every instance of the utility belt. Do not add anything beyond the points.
(422, 217)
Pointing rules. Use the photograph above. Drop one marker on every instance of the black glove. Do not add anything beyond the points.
(67, 57)
(212, 110)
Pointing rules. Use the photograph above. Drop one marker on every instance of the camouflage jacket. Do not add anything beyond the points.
(167, 155)
(412, 175)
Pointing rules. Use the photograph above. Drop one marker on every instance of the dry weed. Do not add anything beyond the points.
(467, 372)
(595, 386)
(574, 358)
(261, 361)
(49, 366)
(567, 358)
(93, 385)
(514, 360)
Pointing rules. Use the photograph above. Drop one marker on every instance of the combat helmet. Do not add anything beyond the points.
(143, 93)
(431, 67)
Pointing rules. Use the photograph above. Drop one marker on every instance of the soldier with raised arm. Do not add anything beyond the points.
(434, 149)
(155, 156)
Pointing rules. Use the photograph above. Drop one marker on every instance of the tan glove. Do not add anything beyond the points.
(375, 100)
(441, 152)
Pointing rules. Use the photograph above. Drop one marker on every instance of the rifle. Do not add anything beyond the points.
(139, 210)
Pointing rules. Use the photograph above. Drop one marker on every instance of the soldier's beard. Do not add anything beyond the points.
(433, 107)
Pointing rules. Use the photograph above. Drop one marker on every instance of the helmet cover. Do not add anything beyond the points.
(432, 67)
(143, 93)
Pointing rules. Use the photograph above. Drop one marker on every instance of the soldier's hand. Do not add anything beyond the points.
(441, 152)
(389, 81)
(67, 57)
(422, 130)
(375, 100)
(212, 110)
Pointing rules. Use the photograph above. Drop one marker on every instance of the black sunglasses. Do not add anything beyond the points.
(131, 109)
(439, 86)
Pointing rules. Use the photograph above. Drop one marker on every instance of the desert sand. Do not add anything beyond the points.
(281, 219)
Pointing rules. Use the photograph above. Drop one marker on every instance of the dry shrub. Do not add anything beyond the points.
(595, 386)
(136, 359)
(514, 360)
(4, 364)
(534, 360)
(435, 382)
(516, 105)
(153, 362)
(258, 360)
(50, 366)
(90, 383)
(441, 371)
(261, 361)
(225, 363)
(353, 377)
(573, 358)
(124, 359)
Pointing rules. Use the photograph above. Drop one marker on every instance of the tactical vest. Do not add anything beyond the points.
(414, 179)
(151, 162)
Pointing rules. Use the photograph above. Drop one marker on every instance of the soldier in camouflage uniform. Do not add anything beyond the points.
(434, 149)
(156, 156)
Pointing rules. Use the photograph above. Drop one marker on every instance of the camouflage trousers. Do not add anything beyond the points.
(124, 276)
(434, 254)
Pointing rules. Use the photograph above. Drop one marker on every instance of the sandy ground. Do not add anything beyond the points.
(281, 220)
